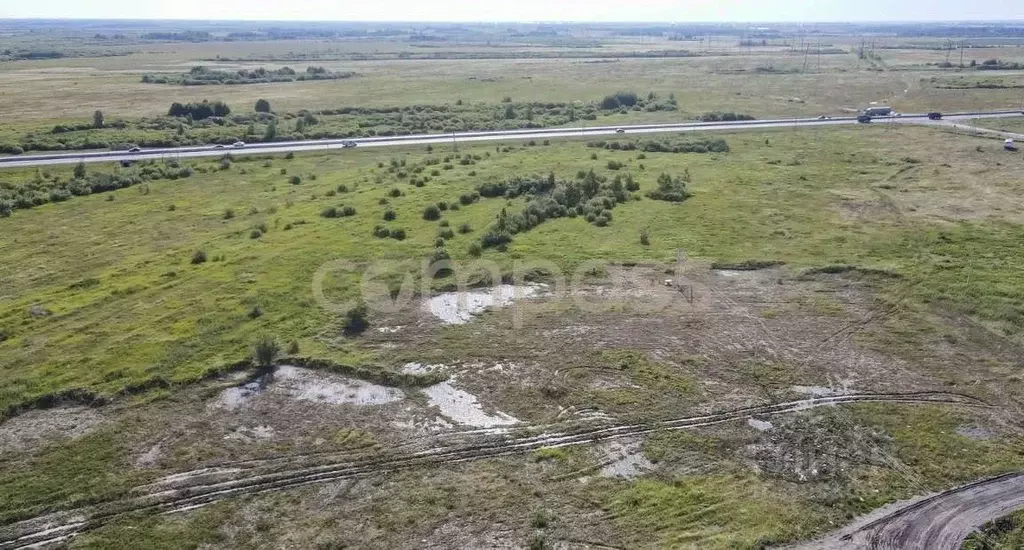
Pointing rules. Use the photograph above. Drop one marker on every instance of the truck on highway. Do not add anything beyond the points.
(877, 111)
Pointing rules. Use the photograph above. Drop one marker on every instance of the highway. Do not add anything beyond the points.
(281, 147)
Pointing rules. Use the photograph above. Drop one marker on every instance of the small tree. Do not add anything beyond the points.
(80, 170)
(262, 106)
(265, 351)
(97, 119)
(271, 131)
(355, 320)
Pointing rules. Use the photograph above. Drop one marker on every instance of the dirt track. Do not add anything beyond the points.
(936, 522)
(198, 488)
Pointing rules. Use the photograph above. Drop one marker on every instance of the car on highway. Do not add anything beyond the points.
(238, 144)
(620, 130)
(218, 146)
(864, 118)
(135, 150)
(934, 115)
(348, 143)
(822, 117)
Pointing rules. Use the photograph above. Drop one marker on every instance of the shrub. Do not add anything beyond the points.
(475, 250)
(446, 233)
(290, 155)
(670, 189)
(444, 223)
(381, 232)
(265, 350)
(614, 165)
(293, 347)
(355, 320)
(295, 180)
(398, 234)
(495, 238)
(255, 234)
(645, 238)
(198, 257)
(342, 188)
(224, 164)
(432, 213)
(348, 211)
(395, 192)
(442, 205)
(255, 312)
(469, 198)
(329, 212)
(465, 228)
(6, 207)
(389, 215)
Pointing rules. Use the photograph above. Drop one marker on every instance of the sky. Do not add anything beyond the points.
(521, 10)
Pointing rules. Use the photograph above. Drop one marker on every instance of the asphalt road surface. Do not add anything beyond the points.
(938, 522)
(280, 147)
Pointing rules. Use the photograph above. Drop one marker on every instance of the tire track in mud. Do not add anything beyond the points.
(937, 522)
(190, 490)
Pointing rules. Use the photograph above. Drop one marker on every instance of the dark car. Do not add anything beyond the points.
(135, 150)
(864, 118)
(934, 115)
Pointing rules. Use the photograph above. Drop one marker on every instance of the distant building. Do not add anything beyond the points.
(877, 111)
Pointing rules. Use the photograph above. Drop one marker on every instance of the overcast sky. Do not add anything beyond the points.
(523, 10)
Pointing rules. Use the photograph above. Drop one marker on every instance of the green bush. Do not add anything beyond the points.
(432, 213)
(398, 234)
(446, 233)
(348, 211)
(6, 207)
(198, 257)
(381, 232)
(465, 228)
(265, 350)
(389, 215)
(295, 180)
(329, 212)
(356, 320)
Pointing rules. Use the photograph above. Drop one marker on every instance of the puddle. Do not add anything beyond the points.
(760, 425)
(420, 368)
(457, 308)
(463, 408)
(622, 459)
(309, 385)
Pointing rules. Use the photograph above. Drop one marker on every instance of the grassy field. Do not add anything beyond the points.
(865, 258)
(125, 305)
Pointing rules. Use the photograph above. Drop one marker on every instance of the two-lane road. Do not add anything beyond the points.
(438, 139)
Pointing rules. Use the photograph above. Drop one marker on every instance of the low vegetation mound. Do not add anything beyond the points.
(203, 76)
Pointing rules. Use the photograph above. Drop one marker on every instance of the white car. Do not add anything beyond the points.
(620, 131)
(238, 144)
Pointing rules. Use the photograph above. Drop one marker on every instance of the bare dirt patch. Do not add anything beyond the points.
(36, 428)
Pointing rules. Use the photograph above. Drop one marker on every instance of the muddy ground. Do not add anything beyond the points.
(627, 365)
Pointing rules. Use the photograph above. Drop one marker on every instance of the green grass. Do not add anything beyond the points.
(128, 306)
(1006, 533)
(725, 511)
